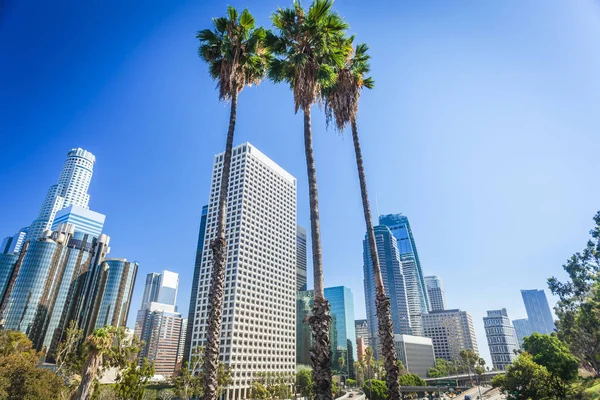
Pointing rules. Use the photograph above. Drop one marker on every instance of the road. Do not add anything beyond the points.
(356, 396)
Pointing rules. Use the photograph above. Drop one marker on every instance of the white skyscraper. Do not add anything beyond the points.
(435, 290)
(71, 189)
(258, 332)
(160, 288)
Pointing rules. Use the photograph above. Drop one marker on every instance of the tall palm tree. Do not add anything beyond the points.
(236, 56)
(309, 49)
(341, 106)
(98, 343)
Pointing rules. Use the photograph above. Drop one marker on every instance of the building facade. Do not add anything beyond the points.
(160, 288)
(361, 328)
(13, 244)
(416, 291)
(394, 283)
(84, 220)
(304, 305)
(501, 338)
(451, 331)
(522, 329)
(341, 301)
(71, 189)
(435, 291)
(259, 311)
(416, 353)
(301, 258)
(538, 311)
(194, 295)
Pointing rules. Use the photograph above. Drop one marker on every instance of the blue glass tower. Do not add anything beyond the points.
(393, 281)
(416, 290)
(538, 311)
(7, 266)
(342, 310)
(114, 306)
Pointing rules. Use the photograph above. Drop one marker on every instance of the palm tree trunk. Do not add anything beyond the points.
(90, 369)
(382, 302)
(320, 320)
(219, 251)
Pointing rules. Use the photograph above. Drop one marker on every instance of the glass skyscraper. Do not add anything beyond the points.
(538, 311)
(342, 310)
(435, 290)
(85, 221)
(300, 258)
(394, 283)
(114, 306)
(522, 329)
(7, 266)
(160, 288)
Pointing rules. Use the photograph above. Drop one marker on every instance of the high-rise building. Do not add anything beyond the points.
(84, 220)
(501, 338)
(300, 258)
(13, 244)
(362, 331)
(416, 291)
(71, 189)
(304, 305)
(259, 313)
(8, 262)
(522, 329)
(394, 283)
(538, 311)
(451, 332)
(435, 290)
(341, 301)
(194, 295)
(416, 353)
(160, 288)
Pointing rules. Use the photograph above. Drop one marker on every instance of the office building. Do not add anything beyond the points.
(416, 353)
(501, 338)
(259, 310)
(362, 331)
(341, 301)
(394, 283)
(161, 330)
(160, 288)
(416, 291)
(8, 262)
(71, 189)
(435, 291)
(304, 305)
(300, 258)
(522, 329)
(538, 311)
(13, 244)
(451, 331)
(194, 295)
(84, 220)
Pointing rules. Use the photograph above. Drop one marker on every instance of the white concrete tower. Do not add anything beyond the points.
(258, 331)
(71, 189)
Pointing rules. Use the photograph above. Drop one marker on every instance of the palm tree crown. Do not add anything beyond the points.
(309, 49)
(234, 52)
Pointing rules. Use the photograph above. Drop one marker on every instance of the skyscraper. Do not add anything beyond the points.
(71, 189)
(342, 310)
(501, 338)
(300, 258)
(160, 288)
(362, 331)
(522, 329)
(13, 244)
(259, 313)
(451, 332)
(416, 291)
(435, 290)
(538, 311)
(304, 305)
(394, 282)
(84, 220)
(194, 294)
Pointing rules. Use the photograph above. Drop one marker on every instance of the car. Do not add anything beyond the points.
(467, 397)
(351, 395)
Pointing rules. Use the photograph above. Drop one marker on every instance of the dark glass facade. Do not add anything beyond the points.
(7, 266)
(114, 306)
(538, 311)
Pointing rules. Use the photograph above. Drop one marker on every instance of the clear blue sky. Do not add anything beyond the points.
(483, 129)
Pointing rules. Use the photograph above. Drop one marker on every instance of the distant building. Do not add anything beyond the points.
(84, 220)
(538, 311)
(13, 244)
(304, 304)
(342, 310)
(194, 295)
(393, 279)
(451, 331)
(435, 290)
(360, 347)
(501, 338)
(8, 262)
(416, 353)
(160, 288)
(522, 329)
(362, 331)
(416, 291)
(300, 258)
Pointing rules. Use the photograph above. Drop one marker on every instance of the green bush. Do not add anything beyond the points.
(411, 380)
(375, 389)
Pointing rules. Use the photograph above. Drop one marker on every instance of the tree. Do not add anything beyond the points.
(304, 382)
(131, 384)
(375, 390)
(258, 391)
(351, 382)
(309, 47)
(67, 356)
(578, 308)
(20, 377)
(469, 359)
(236, 58)
(188, 384)
(411, 380)
(549, 351)
(98, 343)
(442, 368)
(524, 380)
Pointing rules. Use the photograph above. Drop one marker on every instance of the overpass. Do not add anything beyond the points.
(463, 379)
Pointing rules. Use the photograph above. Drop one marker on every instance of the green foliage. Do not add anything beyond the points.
(375, 390)
(549, 351)
(351, 382)
(442, 368)
(411, 380)
(20, 377)
(524, 380)
(276, 384)
(304, 382)
(188, 383)
(132, 382)
(258, 391)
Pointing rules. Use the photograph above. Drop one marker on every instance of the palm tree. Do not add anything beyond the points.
(341, 106)
(309, 48)
(237, 57)
(99, 342)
